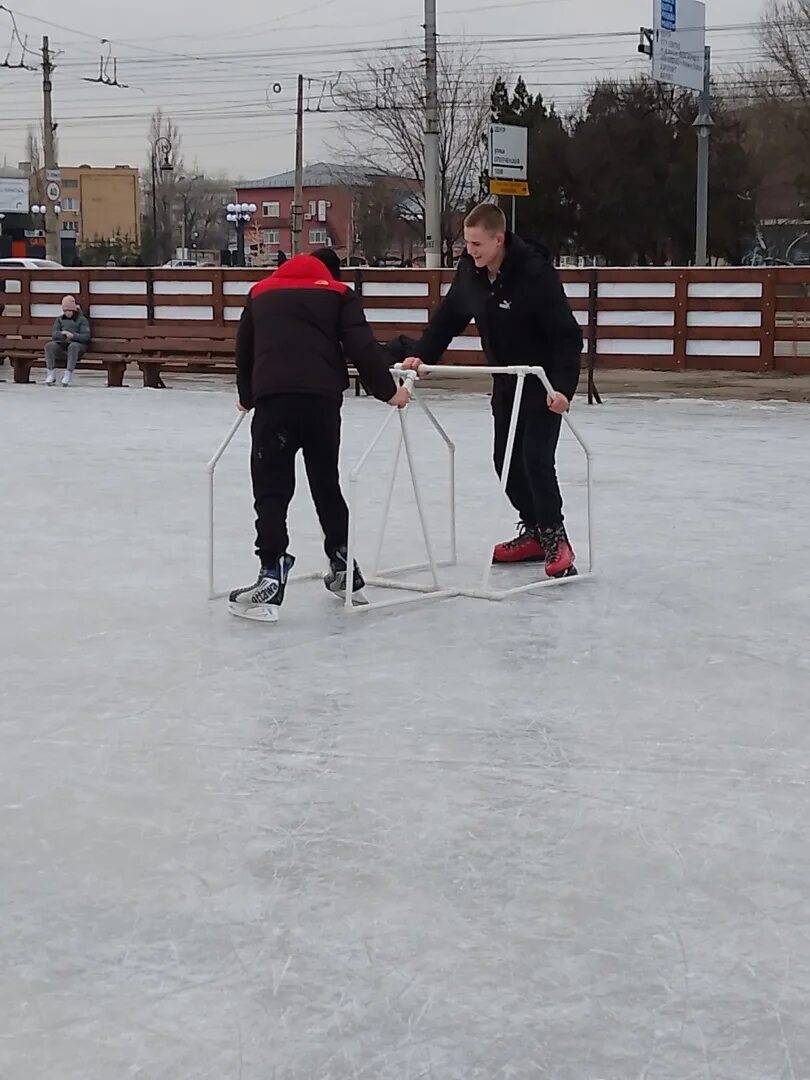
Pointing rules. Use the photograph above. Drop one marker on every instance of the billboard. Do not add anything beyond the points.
(679, 43)
(14, 195)
(508, 160)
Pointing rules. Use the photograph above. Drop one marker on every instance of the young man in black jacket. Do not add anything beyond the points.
(512, 290)
(298, 328)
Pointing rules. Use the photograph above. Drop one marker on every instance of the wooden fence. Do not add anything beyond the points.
(664, 318)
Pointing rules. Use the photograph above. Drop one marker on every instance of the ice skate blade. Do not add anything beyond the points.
(518, 562)
(266, 613)
(570, 572)
(359, 598)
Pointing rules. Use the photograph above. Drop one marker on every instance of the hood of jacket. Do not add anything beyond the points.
(300, 272)
(528, 250)
(74, 320)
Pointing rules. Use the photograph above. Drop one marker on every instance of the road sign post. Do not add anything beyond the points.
(509, 162)
(703, 126)
(680, 57)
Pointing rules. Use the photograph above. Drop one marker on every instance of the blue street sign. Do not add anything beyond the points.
(669, 15)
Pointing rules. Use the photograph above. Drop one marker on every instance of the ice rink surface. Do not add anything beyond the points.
(560, 837)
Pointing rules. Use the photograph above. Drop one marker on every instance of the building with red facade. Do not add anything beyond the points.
(336, 199)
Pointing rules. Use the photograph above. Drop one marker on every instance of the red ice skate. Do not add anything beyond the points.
(559, 553)
(526, 547)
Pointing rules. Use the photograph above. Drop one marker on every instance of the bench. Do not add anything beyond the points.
(113, 349)
(154, 349)
(200, 349)
(25, 348)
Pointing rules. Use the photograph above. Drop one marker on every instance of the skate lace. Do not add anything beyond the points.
(551, 540)
(523, 532)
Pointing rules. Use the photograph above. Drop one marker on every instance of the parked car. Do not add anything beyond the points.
(30, 264)
(187, 264)
(23, 264)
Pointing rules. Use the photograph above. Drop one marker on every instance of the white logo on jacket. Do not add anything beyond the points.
(505, 305)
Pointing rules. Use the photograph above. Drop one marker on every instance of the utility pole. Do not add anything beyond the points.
(433, 205)
(703, 125)
(53, 241)
(297, 208)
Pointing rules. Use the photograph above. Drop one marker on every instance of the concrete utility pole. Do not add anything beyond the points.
(703, 125)
(433, 203)
(53, 241)
(297, 208)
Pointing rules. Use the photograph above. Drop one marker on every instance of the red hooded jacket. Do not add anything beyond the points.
(298, 329)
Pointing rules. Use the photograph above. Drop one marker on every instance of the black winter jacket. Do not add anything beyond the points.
(523, 317)
(298, 328)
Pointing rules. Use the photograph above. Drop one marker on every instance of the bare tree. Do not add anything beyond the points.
(200, 202)
(383, 123)
(35, 157)
(381, 218)
(162, 199)
(785, 36)
(774, 102)
(36, 165)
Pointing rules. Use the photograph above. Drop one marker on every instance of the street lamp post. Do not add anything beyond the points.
(240, 214)
(162, 146)
(40, 210)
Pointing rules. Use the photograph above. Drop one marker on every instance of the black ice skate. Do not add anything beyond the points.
(261, 602)
(335, 580)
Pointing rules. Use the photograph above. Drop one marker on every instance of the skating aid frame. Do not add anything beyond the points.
(394, 579)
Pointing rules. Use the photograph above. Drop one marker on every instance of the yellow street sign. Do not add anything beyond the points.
(509, 187)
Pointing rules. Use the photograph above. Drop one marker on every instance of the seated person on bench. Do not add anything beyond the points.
(69, 341)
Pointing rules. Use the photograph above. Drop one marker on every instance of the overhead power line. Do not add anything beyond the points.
(175, 74)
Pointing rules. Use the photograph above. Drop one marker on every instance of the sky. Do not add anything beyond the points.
(230, 84)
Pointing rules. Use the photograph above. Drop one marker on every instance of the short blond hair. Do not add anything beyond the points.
(487, 216)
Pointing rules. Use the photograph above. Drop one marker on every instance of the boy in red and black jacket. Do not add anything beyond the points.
(298, 329)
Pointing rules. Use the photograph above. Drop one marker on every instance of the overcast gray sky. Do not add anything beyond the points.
(213, 74)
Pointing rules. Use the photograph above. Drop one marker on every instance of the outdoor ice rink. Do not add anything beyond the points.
(560, 837)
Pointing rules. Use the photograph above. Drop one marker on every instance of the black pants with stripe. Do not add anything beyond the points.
(282, 425)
